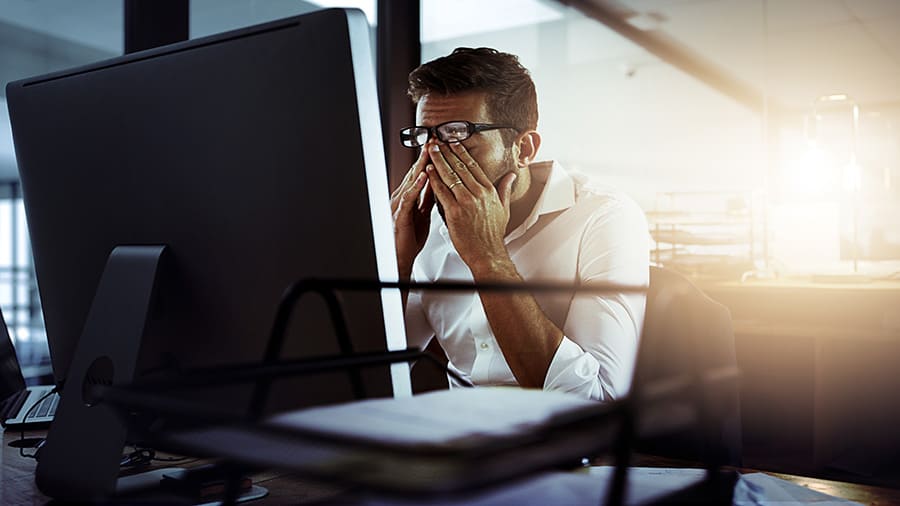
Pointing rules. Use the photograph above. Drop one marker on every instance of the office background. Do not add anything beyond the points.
(760, 136)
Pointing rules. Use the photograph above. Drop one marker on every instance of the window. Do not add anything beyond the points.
(214, 16)
(38, 38)
(753, 101)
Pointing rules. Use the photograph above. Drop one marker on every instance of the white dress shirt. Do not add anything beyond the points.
(577, 231)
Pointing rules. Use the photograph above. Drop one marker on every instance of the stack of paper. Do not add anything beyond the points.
(449, 419)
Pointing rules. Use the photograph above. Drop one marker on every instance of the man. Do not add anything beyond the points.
(475, 206)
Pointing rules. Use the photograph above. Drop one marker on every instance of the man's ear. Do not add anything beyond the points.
(528, 142)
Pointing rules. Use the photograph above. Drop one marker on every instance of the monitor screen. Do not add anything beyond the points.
(256, 157)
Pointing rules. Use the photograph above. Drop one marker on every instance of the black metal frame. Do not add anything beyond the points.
(148, 395)
(140, 393)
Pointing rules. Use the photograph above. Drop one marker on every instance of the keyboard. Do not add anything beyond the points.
(46, 407)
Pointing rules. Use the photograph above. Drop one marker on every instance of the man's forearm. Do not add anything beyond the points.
(404, 274)
(527, 338)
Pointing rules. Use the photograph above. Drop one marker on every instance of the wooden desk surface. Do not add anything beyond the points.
(802, 308)
(806, 283)
(864, 494)
(17, 481)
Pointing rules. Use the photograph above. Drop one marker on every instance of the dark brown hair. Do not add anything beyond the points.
(511, 98)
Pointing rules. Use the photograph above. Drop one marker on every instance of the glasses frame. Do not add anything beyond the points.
(471, 129)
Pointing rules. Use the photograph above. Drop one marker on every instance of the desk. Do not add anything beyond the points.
(17, 481)
(818, 364)
(864, 494)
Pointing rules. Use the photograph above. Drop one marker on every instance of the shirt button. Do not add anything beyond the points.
(485, 346)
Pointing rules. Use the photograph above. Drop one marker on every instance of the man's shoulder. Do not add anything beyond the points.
(599, 199)
(585, 187)
(592, 199)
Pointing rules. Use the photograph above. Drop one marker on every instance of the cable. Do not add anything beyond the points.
(170, 459)
(137, 458)
(144, 455)
(22, 433)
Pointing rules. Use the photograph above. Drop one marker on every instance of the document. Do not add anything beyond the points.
(760, 489)
(453, 419)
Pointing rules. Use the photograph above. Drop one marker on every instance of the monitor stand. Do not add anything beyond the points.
(80, 459)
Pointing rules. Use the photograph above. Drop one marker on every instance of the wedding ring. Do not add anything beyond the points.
(458, 181)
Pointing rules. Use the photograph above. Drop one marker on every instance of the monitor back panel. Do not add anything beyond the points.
(245, 153)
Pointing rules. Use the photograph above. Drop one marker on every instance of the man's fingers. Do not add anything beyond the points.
(418, 167)
(460, 168)
(442, 167)
(471, 165)
(410, 181)
(442, 192)
(410, 197)
(427, 202)
(404, 184)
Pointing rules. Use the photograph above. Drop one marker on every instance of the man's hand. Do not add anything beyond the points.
(412, 215)
(476, 213)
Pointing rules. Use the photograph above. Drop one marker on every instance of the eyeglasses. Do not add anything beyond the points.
(451, 131)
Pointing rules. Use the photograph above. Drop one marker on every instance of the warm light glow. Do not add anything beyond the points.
(806, 235)
(840, 97)
(811, 174)
(852, 176)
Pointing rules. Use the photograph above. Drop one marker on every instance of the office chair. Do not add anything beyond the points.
(687, 359)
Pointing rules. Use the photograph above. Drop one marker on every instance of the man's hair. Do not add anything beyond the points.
(510, 95)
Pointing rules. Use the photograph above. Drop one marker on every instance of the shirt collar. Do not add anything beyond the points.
(558, 194)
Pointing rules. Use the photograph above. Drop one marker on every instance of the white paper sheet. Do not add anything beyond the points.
(460, 417)
(760, 489)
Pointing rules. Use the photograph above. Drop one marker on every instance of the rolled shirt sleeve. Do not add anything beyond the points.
(597, 355)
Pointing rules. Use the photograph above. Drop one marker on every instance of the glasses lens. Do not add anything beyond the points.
(455, 131)
(414, 137)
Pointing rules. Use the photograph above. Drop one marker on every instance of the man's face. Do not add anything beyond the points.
(487, 147)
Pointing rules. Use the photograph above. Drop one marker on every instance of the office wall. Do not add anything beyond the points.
(611, 109)
(636, 119)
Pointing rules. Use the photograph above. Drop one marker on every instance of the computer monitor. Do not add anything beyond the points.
(256, 157)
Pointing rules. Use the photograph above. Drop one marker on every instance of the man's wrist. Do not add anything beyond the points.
(499, 268)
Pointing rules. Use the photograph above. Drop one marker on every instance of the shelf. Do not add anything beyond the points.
(703, 233)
